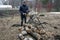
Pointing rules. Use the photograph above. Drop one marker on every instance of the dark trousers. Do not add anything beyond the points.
(23, 19)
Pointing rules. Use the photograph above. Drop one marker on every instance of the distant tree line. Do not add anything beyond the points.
(17, 3)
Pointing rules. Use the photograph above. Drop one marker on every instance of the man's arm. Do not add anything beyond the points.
(20, 9)
(27, 9)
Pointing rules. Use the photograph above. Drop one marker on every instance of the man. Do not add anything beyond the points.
(24, 11)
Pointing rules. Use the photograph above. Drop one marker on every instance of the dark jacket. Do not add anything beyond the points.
(23, 9)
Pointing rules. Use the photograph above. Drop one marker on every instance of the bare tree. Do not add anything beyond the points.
(14, 3)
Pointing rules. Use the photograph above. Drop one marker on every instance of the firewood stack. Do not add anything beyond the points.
(34, 33)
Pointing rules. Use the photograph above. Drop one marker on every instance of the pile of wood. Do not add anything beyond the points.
(30, 32)
(35, 30)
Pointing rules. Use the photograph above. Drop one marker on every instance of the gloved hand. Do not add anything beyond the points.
(24, 13)
(28, 11)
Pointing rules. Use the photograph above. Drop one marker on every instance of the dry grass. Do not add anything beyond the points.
(7, 32)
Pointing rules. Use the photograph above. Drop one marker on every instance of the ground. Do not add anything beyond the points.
(9, 32)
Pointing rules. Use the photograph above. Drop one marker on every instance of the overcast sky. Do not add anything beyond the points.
(2, 1)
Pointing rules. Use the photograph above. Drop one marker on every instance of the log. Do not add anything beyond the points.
(36, 36)
(33, 35)
(21, 37)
